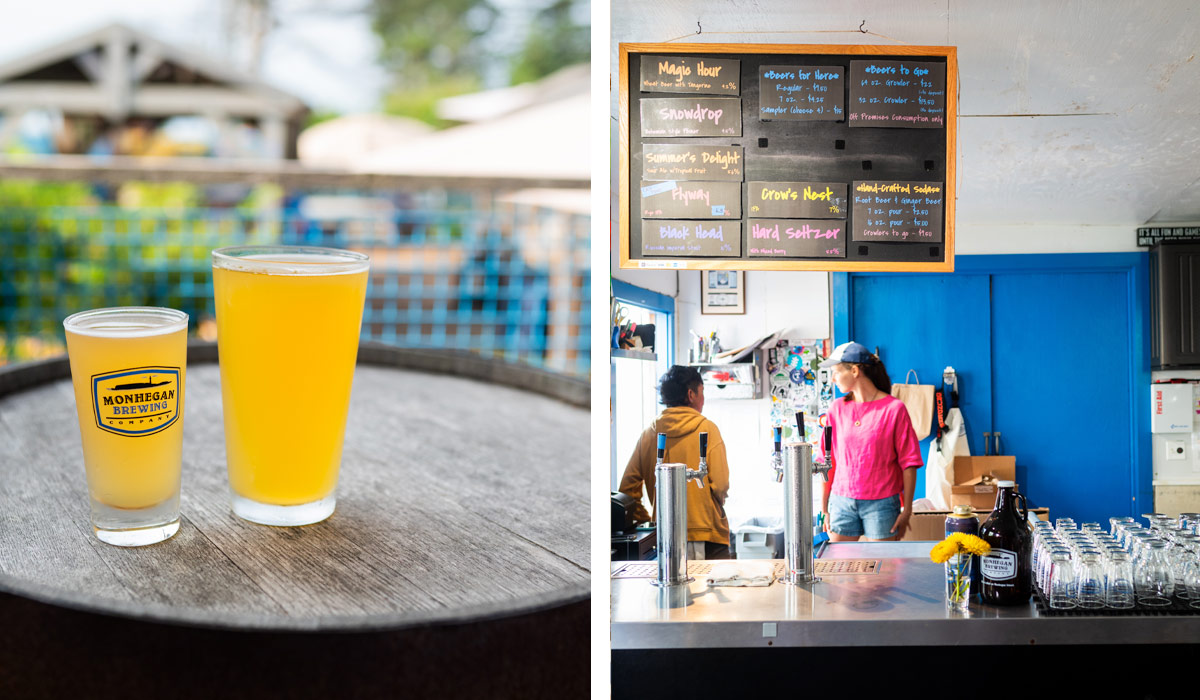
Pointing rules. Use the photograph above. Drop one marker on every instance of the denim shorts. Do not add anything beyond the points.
(855, 517)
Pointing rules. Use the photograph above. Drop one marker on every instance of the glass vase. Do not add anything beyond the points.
(958, 582)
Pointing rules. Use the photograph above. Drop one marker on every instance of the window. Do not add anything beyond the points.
(634, 375)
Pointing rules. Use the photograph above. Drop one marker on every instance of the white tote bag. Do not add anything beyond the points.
(939, 467)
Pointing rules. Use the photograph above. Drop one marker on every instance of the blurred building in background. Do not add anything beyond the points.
(117, 91)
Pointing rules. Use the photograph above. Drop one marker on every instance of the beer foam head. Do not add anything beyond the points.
(126, 322)
(290, 260)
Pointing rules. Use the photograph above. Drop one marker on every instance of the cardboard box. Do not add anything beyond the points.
(975, 480)
(969, 470)
(978, 496)
(931, 525)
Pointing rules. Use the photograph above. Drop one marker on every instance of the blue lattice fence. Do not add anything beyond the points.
(512, 282)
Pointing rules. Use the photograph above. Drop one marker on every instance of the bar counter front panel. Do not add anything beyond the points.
(902, 604)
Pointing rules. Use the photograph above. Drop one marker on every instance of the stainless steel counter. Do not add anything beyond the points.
(901, 604)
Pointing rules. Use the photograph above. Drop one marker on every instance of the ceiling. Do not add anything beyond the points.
(1078, 113)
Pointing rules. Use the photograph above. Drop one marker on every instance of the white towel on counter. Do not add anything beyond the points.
(742, 573)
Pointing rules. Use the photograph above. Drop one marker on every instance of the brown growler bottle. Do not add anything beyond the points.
(1006, 576)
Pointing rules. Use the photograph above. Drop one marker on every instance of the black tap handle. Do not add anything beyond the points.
(703, 446)
(800, 424)
(827, 440)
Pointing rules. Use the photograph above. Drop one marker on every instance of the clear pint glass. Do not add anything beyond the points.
(288, 321)
(128, 367)
(1119, 587)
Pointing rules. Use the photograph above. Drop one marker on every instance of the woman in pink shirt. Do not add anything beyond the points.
(875, 451)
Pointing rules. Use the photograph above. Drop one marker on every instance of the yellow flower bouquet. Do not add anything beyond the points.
(955, 552)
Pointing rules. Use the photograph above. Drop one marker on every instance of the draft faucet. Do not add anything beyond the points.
(777, 454)
(701, 471)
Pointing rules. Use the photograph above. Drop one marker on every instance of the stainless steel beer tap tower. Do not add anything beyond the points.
(795, 470)
(670, 512)
(797, 513)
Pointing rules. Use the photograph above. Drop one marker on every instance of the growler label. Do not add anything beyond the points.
(1000, 565)
(136, 402)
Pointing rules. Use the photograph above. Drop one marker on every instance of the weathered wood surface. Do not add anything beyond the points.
(459, 500)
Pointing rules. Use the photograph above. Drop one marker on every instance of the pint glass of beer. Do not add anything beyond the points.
(128, 366)
(288, 321)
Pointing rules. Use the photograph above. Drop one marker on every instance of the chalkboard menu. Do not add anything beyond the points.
(766, 156)
(823, 200)
(684, 116)
(671, 162)
(898, 211)
(801, 92)
(898, 93)
(691, 200)
(692, 238)
(709, 76)
(797, 238)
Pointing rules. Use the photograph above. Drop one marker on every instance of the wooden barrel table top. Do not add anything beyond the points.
(463, 496)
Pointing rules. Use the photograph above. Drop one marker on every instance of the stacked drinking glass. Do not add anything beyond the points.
(1088, 567)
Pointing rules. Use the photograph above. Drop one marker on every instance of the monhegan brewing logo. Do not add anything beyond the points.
(136, 402)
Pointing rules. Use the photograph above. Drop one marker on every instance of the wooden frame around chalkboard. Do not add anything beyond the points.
(627, 261)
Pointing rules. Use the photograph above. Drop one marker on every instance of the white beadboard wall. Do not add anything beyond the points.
(794, 302)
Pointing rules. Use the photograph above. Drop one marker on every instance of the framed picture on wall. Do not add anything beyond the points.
(722, 292)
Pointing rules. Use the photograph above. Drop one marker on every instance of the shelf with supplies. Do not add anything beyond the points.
(731, 380)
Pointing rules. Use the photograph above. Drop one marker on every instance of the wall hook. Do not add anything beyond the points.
(860, 27)
(700, 29)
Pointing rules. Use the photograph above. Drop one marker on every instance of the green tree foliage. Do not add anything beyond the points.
(426, 42)
(555, 40)
(421, 103)
(437, 48)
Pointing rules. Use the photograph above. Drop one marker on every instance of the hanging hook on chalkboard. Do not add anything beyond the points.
(860, 27)
(698, 27)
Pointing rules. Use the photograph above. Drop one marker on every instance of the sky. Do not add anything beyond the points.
(325, 56)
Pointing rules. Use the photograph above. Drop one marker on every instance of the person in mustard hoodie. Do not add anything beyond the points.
(682, 392)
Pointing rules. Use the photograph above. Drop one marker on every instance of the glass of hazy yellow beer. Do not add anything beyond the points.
(128, 366)
(288, 321)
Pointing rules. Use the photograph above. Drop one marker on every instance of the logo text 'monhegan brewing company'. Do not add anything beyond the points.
(136, 402)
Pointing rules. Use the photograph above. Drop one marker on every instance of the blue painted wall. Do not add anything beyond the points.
(924, 323)
(1052, 351)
